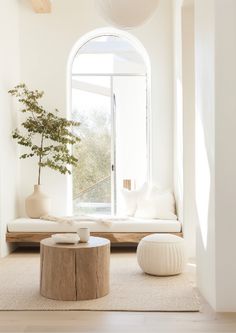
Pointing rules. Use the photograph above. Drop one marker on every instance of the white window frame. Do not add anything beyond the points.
(141, 50)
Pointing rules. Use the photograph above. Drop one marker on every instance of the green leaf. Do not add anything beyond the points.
(45, 134)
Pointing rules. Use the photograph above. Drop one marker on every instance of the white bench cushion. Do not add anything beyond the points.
(129, 225)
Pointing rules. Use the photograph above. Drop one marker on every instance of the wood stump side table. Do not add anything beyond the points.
(74, 272)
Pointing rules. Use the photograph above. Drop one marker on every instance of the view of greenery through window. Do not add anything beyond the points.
(92, 175)
(108, 79)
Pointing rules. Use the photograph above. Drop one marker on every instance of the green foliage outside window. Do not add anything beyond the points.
(92, 175)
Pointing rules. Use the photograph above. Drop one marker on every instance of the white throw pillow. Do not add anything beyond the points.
(158, 206)
(130, 199)
(154, 191)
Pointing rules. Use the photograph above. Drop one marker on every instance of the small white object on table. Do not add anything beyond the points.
(67, 238)
(84, 234)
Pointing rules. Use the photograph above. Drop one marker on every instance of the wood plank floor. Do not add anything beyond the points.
(206, 321)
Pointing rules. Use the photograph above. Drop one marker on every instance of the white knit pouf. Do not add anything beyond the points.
(161, 254)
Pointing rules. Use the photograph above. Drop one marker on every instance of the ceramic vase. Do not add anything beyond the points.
(38, 203)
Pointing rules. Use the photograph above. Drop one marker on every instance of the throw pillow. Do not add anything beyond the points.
(130, 199)
(158, 206)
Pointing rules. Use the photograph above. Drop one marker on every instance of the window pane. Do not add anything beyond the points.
(108, 54)
(131, 132)
(92, 175)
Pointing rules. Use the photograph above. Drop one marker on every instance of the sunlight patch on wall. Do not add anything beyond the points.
(203, 181)
(179, 144)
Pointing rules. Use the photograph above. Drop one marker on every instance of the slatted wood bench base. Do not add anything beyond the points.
(115, 237)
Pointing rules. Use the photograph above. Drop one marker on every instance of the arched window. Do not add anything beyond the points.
(109, 96)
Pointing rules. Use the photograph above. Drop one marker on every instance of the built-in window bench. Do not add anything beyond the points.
(130, 230)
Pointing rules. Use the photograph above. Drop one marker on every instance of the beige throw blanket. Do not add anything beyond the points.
(106, 220)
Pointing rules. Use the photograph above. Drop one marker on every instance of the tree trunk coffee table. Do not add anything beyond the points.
(74, 272)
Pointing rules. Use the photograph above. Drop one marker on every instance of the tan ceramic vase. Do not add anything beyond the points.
(38, 203)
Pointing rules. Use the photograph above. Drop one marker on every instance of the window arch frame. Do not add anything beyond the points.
(134, 41)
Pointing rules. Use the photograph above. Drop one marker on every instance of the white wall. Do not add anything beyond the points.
(46, 42)
(215, 161)
(205, 146)
(184, 114)
(9, 76)
(225, 139)
(188, 73)
(215, 44)
(178, 108)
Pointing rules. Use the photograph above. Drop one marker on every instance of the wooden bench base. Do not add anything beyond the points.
(115, 237)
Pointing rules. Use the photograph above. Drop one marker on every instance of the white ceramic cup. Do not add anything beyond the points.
(84, 235)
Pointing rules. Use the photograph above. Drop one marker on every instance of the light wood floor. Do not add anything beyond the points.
(113, 322)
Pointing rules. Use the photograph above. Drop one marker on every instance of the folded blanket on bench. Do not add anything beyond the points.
(107, 220)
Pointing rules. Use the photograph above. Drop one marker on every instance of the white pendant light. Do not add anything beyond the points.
(126, 13)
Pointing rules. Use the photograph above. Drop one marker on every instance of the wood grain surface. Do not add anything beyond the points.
(114, 237)
(74, 272)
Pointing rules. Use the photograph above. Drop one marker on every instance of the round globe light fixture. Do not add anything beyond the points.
(126, 14)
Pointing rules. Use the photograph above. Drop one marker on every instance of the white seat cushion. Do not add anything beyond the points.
(129, 225)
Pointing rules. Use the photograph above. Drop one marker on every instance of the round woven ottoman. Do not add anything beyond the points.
(161, 254)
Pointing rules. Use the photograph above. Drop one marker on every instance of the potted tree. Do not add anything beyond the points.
(47, 137)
